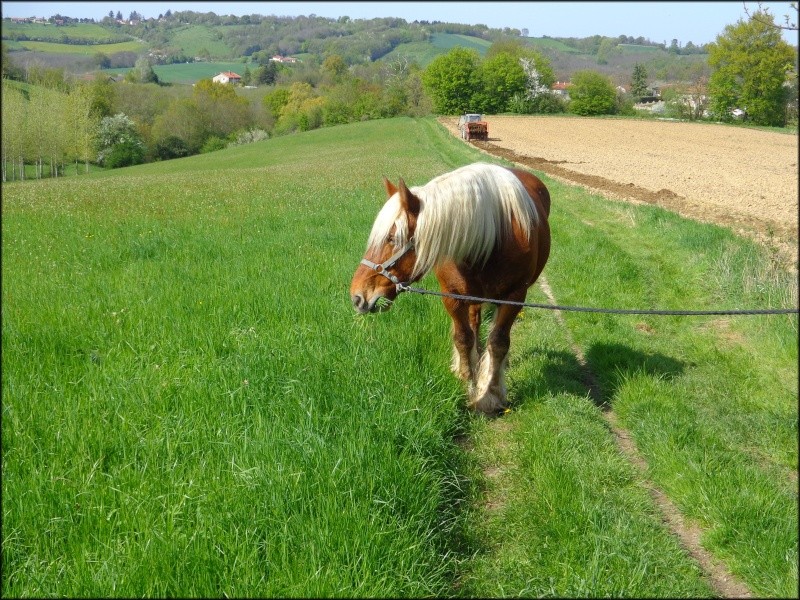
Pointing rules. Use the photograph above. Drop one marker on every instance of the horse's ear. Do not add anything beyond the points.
(390, 189)
(408, 201)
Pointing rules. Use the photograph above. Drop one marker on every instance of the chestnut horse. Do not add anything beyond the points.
(483, 230)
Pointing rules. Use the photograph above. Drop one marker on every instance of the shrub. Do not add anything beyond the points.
(592, 94)
(213, 144)
(125, 154)
(248, 137)
(170, 147)
(118, 142)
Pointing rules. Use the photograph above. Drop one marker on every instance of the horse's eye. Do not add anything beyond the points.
(390, 240)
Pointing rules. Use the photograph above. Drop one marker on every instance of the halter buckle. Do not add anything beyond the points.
(383, 268)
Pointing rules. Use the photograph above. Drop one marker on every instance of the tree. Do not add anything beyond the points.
(639, 81)
(502, 77)
(223, 109)
(789, 19)
(608, 48)
(275, 100)
(119, 16)
(118, 142)
(266, 73)
(751, 63)
(451, 80)
(182, 119)
(170, 147)
(142, 72)
(592, 94)
(334, 66)
(13, 129)
(9, 69)
(538, 97)
(82, 125)
(103, 97)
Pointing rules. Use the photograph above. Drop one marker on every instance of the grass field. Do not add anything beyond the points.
(82, 49)
(86, 32)
(441, 43)
(194, 39)
(192, 408)
(552, 44)
(187, 73)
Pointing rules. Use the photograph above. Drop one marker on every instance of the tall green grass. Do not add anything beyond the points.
(192, 408)
(711, 403)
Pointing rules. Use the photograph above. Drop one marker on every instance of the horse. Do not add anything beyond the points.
(483, 229)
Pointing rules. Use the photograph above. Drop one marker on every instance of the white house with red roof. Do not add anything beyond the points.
(227, 77)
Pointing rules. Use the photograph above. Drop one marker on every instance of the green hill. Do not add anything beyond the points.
(192, 408)
(255, 38)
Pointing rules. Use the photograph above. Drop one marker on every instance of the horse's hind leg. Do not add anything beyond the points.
(489, 393)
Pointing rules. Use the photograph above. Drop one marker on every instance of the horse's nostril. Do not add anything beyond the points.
(358, 301)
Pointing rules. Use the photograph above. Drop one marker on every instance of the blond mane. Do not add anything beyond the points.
(464, 214)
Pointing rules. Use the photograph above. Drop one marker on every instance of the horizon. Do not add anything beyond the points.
(659, 22)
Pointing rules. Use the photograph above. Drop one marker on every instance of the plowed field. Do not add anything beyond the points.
(742, 178)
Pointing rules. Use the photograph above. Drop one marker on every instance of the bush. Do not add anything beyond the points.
(248, 137)
(125, 154)
(118, 142)
(170, 147)
(213, 144)
(592, 94)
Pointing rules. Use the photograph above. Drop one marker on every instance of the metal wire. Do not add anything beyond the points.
(614, 311)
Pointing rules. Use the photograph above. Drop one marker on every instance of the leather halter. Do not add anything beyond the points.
(383, 267)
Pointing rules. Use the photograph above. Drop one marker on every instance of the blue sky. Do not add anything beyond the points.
(698, 22)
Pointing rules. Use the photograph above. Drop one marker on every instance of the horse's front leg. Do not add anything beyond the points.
(489, 393)
(465, 338)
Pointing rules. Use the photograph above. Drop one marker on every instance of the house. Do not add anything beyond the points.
(561, 88)
(284, 59)
(227, 77)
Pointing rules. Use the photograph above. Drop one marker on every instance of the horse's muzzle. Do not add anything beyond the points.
(377, 304)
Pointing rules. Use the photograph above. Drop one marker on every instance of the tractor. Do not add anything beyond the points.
(473, 127)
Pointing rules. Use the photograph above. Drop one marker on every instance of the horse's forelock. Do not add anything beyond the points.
(391, 215)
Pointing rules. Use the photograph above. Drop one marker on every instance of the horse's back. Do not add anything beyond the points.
(536, 189)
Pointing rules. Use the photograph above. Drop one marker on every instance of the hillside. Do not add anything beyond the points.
(188, 37)
(190, 403)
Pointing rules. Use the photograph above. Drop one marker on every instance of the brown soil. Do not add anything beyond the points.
(745, 179)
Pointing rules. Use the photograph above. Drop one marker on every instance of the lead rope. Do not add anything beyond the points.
(402, 287)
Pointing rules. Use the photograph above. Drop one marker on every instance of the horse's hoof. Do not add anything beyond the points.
(489, 403)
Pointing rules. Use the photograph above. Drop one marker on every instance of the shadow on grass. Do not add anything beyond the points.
(612, 364)
(607, 367)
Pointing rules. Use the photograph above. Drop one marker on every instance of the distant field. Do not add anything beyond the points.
(82, 49)
(441, 43)
(189, 72)
(638, 48)
(194, 39)
(446, 41)
(550, 43)
(88, 32)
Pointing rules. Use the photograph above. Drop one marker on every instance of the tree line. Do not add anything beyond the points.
(56, 122)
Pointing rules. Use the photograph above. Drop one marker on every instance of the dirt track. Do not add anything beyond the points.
(742, 178)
